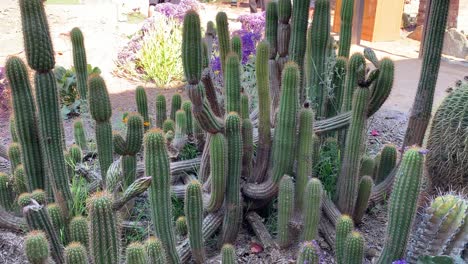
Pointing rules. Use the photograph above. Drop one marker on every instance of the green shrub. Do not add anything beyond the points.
(328, 165)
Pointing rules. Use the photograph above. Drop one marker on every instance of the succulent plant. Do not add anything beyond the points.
(354, 248)
(36, 247)
(161, 112)
(176, 104)
(194, 215)
(362, 200)
(78, 230)
(80, 135)
(135, 254)
(285, 210)
(388, 158)
(228, 254)
(181, 226)
(155, 251)
(312, 208)
(6, 192)
(79, 62)
(218, 168)
(75, 253)
(307, 254)
(142, 105)
(14, 153)
(305, 154)
(344, 226)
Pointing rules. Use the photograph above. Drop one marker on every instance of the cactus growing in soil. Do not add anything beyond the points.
(101, 111)
(228, 254)
(362, 200)
(232, 83)
(6, 194)
(168, 125)
(79, 134)
(181, 226)
(75, 253)
(344, 226)
(79, 61)
(78, 230)
(307, 254)
(14, 153)
(104, 239)
(388, 158)
(346, 26)
(354, 248)
(187, 107)
(155, 251)
(36, 247)
(218, 169)
(194, 215)
(26, 123)
(176, 104)
(192, 48)
(232, 217)
(403, 203)
(19, 180)
(142, 105)
(271, 28)
(157, 165)
(161, 112)
(222, 28)
(135, 254)
(312, 208)
(180, 132)
(367, 166)
(236, 46)
(285, 210)
(56, 217)
(304, 154)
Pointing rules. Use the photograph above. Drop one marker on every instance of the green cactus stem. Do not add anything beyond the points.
(13, 130)
(247, 148)
(142, 105)
(304, 153)
(161, 115)
(180, 133)
(56, 217)
(26, 123)
(232, 83)
(218, 169)
(78, 230)
(40, 196)
(75, 253)
(104, 238)
(244, 106)
(19, 180)
(344, 226)
(24, 199)
(354, 248)
(6, 192)
(236, 46)
(36, 247)
(403, 204)
(202, 111)
(338, 81)
(222, 28)
(168, 125)
(382, 87)
(176, 104)
(135, 254)
(194, 214)
(388, 158)
(155, 251)
(79, 134)
(285, 210)
(362, 200)
(14, 153)
(346, 26)
(181, 226)
(308, 254)
(367, 166)
(79, 61)
(370, 55)
(354, 73)
(228, 254)
(284, 28)
(192, 48)
(157, 166)
(187, 107)
(232, 216)
(348, 180)
(312, 208)
(271, 28)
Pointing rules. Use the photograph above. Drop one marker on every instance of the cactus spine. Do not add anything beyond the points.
(236, 46)
(194, 214)
(176, 104)
(142, 105)
(6, 195)
(79, 61)
(354, 248)
(232, 83)
(14, 153)
(304, 154)
(271, 28)
(36, 247)
(349, 177)
(79, 230)
(285, 210)
(187, 107)
(362, 200)
(155, 251)
(80, 135)
(346, 26)
(104, 238)
(75, 253)
(228, 254)
(387, 162)
(25, 119)
(192, 48)
(403, 203)
(312, 208)
(135, 254)
(157, 165)
(181, 226)
(308, 254)
(222, 27)
(161, 115)
(344, 226)
(218, 169)
(232, 217)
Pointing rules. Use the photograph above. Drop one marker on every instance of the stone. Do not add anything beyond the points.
(455, 44)
(416, 34)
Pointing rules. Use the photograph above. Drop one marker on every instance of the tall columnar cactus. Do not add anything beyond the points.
(78, 230)
(236, 46)
(264, 103)
(431, 54)
(441, 222)
(56, 217)
(285, 210)
(218, 169)
(19, 180)
(354, 248)
(348, 180)
(142, 105)
(228, 254)
(176, 104)
(161, 112)
(14, 153)
(194, 214)
(346, 26)
(13, 130)
(388, 159)
(362, 200)
(38, 219)
(222, 28)
(354, 73)
(307, 254)
(320, 32)
(104, 238)
(312, 208)
(155, 251)
(382, 87)
(181, 226)
(403, 203)
(157, 165)
(344, 226)
(284, 31)
(247, 148)
(79, 134)
(187, 107)
(6, 194)
(75, 253)
(232, 83)
(101, 111)
(135, 254)
(192, 48)
(304, 154)
(338, 82)
(271, 28)
(79, 61)
(180, 134)
(244, 106)
(367, 166)
(36, 247)
(232, 216)
(26, 123)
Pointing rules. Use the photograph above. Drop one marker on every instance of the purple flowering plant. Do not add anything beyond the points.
(4, 92)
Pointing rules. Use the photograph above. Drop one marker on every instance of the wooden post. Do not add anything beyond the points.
(357, 22)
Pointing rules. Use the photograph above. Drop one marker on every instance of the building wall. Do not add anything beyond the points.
(457, 18)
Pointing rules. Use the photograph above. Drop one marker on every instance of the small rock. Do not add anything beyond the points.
(455, 44)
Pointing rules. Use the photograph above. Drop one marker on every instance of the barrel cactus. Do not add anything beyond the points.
(37, 247)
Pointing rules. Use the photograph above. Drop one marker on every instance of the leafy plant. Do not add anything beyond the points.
(189, 151)
(79, 190)
(327, 168)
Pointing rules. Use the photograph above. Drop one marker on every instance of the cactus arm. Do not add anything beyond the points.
(346, 26)
(194, 214)
(218, 168)
(285, 210)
